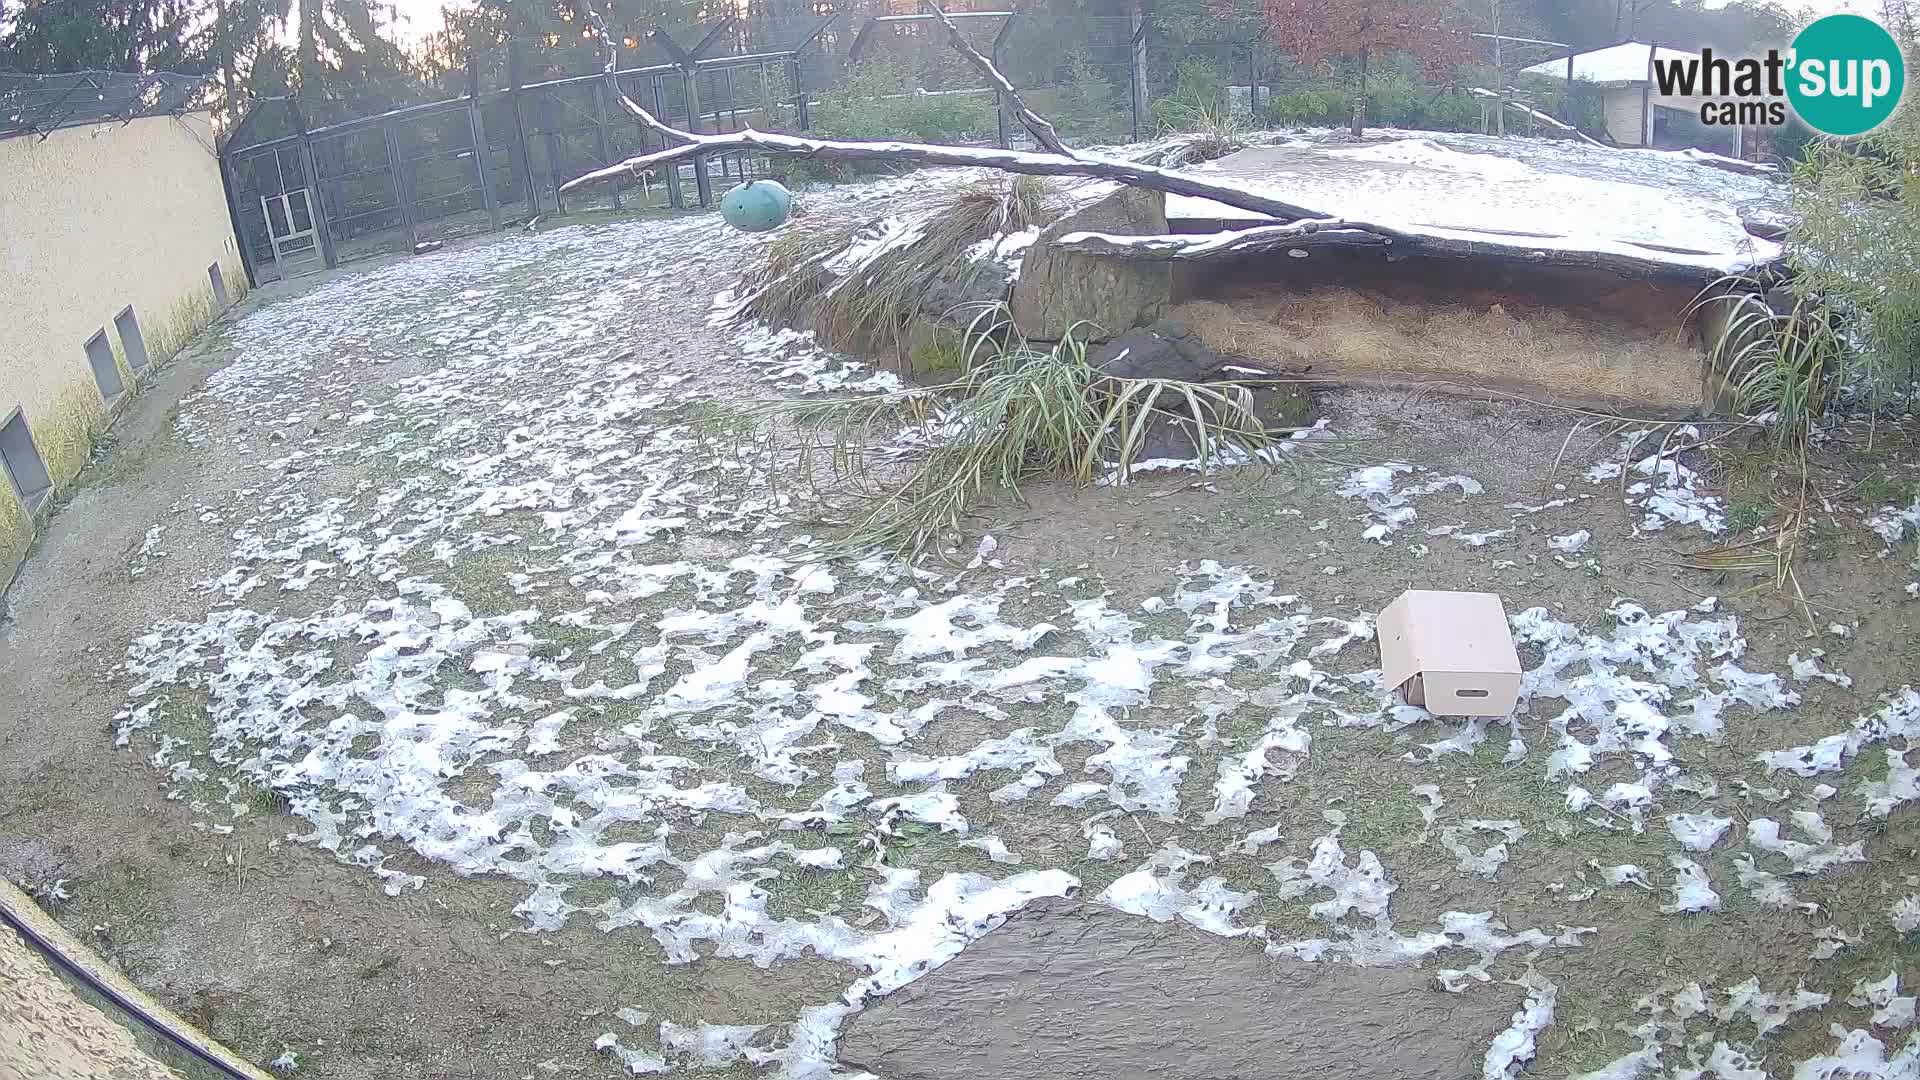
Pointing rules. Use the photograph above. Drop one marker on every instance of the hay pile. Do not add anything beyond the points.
(1513, 346)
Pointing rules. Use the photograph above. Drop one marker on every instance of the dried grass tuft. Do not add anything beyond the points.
(867, 307)
(1019, 412)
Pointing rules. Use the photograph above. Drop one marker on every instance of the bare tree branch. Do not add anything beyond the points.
(1041, 128)
(1061, 163)
(585, 9)
(1016, 161)
(1190, 247)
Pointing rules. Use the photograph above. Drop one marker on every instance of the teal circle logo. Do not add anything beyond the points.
(1846, 76)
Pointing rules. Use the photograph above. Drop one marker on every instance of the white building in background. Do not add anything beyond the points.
(116, 247)
(1635, 112)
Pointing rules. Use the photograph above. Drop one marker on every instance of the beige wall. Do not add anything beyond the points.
(93, 219)
(1623, 108)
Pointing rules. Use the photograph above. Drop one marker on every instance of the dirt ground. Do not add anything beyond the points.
(502, 424)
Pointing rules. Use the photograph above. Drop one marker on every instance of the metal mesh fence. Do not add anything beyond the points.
(37, 104)
(307, 196)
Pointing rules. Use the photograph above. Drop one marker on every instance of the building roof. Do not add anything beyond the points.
(1625, 64)
(31, 104)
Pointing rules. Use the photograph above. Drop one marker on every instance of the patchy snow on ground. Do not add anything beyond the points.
(554, 634)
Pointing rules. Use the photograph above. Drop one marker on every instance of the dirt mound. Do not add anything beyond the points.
(1067, 990)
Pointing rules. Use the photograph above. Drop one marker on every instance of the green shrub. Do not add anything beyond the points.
(1315, 106)
(883, 99)
(1198, 90)
(1856, 245)
(1088, 103)
(1393, 100)
(941, 355)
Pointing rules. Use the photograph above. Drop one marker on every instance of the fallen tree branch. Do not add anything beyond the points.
(693, 145)
(1032, 163)
(1481, 91)
(610, 72)
(1189, 247)
(1295, 226)
(1040, 126)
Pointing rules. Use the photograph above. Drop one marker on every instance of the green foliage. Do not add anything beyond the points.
(1792, 141)
(1549, 95)
(1199, 107)
(1198, 89)
(1747, 513)
(1784, 364)
(941, 355)
(1880, 488)
(882, 99)
(1314, 106)
(116, 35)
(1394, 99)
(1089, 104)
(1857, 243)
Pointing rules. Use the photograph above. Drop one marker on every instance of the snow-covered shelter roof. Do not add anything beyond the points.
(1625, 64)
(1529, 195)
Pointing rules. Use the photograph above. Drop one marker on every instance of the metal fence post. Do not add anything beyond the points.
(600, 142)
(1137, 73)
(400, 184)
(702, 186)
(517, 148)
(672, 177)
(801, 116)
(551, 138)
(231, 182)
(316, 204)
(1000, 103)
(482, 154)
(804, 116)
(1570, 115)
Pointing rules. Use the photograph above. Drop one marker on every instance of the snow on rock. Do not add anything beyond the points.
(1530, 195)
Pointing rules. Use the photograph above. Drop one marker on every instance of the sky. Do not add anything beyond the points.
(422, 17)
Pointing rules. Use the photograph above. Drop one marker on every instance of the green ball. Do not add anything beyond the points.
(756, 207)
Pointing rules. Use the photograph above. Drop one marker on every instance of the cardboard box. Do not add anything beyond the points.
(1450, 652)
